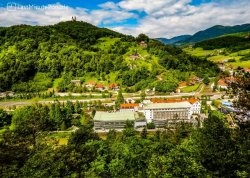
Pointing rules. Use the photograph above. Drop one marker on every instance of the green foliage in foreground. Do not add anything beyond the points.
(31, 57)
(211, 151)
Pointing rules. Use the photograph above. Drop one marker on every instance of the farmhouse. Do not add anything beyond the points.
(222, 84)
(100, 87)
(113, 86)
(90, 84)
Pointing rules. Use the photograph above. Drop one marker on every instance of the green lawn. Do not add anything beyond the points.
(57, 139)
(213, 56)
(106, 42)
(199, 52)
(191, 88)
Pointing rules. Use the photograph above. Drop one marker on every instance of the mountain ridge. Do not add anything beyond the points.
(209, 33)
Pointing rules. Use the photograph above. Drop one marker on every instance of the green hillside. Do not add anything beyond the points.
(232, 49)
(32, 58)
(216, 31)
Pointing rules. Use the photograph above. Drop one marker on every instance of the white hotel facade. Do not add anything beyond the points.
(170, 113)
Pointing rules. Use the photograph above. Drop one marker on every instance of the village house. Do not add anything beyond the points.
(90, 84)
(246, 70)
(222, 84)
(143, 44)
(100, 87)
(114, 86)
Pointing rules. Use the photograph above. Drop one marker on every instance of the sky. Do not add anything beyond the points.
(155, 18)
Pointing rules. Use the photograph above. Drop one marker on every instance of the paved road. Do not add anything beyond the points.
(8, 104)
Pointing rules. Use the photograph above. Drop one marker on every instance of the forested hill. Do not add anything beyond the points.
(233, 42)
(216, 31)
(32, 57)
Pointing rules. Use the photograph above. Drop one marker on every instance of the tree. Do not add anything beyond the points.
(216, 146)
(206, 80)
(5, 118)
(144, 133)
(119, 99)
(143, 95)
(28, 122)
(241, 88)
(142, 37)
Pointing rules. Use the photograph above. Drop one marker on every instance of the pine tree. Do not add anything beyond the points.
(120, 99)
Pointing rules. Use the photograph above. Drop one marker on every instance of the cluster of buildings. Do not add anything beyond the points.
(97, 86)
(163, 113)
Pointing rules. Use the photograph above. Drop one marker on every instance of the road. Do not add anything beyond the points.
(8, 104)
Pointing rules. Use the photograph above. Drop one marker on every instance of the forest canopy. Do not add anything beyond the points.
(77, 48)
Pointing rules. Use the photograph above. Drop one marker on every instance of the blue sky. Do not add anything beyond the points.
(156, 18)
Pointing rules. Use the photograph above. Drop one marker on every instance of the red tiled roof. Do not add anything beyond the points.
(246, 69)
(99, 85)
(222, 82)
(112, 85)
(91, 83)
(174, 100)
(230, 79)
(192, 100)
(129, 105)
(182, 84)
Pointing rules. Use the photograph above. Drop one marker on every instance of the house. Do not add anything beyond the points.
(177, 90)
(113, 86)
(193, 80)
(143, 44)
(182, 84)
(100, 87)
(195, 106)
(230, 80)
(129, 100)
(246, 70)
(222, 84)
(112, 120)
(90, 84)
(129, 107)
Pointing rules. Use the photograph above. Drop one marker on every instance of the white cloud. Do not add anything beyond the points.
(163, 18)
(109, 5)
(168, 18)
(55, 13)
(41, 15)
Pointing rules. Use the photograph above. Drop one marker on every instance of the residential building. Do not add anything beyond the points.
(90, 84)
(100, 87)
(222, 84)
(113, 86)
(112, 120)
(195, 106)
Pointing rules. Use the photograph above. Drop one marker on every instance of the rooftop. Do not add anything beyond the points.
(128, 105)
(184, 104)
(174, 100)
(222, 82)
(114, 116)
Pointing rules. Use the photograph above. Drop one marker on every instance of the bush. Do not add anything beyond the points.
(231, 60)
(150, 125)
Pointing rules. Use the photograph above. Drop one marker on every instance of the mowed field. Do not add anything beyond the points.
(221, 55)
